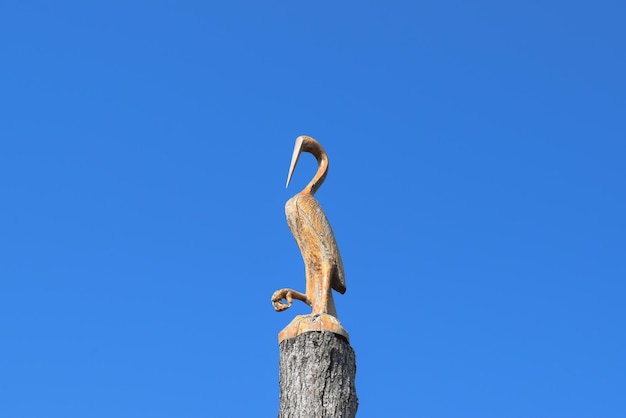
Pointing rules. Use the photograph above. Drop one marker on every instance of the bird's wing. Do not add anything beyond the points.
(315, 221)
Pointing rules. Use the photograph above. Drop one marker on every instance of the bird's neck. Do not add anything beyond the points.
(322, 170)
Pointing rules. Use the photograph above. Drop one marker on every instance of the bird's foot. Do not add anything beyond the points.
(288, 295)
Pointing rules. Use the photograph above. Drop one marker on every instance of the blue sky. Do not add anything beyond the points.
(476, 189)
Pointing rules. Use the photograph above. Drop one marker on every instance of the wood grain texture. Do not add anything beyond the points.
(317, 377)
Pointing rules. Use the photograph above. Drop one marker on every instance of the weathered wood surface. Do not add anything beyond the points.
(317, 377)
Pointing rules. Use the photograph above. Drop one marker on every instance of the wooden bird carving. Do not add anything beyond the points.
(310, 227)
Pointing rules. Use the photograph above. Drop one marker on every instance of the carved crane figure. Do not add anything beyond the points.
(315, 238)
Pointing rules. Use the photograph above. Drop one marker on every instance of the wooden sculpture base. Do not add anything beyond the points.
(317, 377)
(311, 322)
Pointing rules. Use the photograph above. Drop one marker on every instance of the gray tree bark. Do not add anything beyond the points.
(317, 372)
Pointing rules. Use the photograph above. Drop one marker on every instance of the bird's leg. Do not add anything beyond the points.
(323, 300)
(288, 295)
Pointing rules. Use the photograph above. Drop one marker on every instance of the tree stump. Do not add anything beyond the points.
(317, 373)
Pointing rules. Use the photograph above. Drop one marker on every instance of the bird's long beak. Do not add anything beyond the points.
(297, 150)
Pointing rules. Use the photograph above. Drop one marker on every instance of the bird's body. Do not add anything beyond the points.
(314, 235)
(310, 227)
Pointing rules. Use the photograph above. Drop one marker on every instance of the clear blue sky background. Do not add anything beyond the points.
(476, 190)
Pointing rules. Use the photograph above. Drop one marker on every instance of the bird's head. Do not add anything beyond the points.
(307, 144)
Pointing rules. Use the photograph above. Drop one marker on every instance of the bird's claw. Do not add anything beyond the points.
(277, 300)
